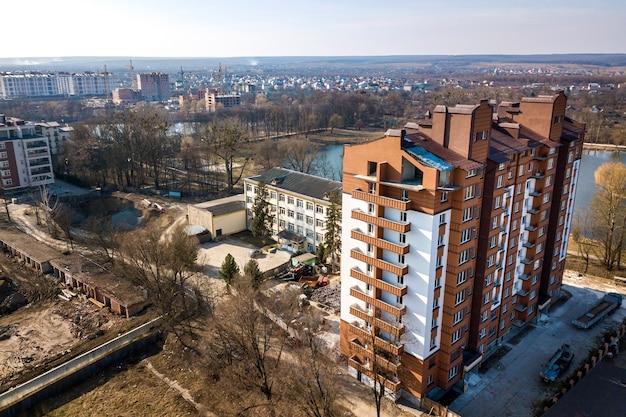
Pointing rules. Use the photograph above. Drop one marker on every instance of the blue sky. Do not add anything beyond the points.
(231, 28)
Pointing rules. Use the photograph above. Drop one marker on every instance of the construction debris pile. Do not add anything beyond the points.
(10, 298)
(87, 322)
(329, 296)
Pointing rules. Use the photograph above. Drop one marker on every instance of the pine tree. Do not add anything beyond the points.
(253, 272)
(332, 238)
(230, 269)
(262, 218)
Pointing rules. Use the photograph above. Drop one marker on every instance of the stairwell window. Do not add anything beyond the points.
(468, 213)
(442, 218)
(458, 316)
(459, 298)
(453, 372)
(470, 191)
(463, 256)
(371, 188)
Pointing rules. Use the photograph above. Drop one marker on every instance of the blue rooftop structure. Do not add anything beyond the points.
(428, 159)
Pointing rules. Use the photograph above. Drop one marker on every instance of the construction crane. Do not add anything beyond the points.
(133, 81)
(107, 83)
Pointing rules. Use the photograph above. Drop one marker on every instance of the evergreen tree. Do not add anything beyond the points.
(253, 272)
(332, 238)
(262, 218)
(229, 270)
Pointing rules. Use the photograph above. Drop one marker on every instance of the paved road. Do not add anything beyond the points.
(510, 388)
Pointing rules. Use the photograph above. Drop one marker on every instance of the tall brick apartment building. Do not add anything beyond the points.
(454, 231)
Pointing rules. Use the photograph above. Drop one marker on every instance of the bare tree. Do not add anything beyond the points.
(609, 210)
(299, 154)
(163, 265)
(250, 343)
(228, 140)
(581, 234)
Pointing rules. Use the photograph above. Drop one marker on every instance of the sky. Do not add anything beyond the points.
(259, 28)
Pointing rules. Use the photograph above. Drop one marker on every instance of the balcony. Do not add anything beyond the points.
(520, 307)
(537, 175)
(522, 292)
(396, 329)
(36, 144)
(528, 245)
(396, 310)
(532, 210)
(388, 346)
(526, 261)
(399, 248)
(535, 193)
(381, 200)
(397, 290)
(524, 277)
(381, 221)
(396, 269)
(530, 227)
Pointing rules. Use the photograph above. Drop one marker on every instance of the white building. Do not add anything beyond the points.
(58, 135)
(25, 159)
(300, 204)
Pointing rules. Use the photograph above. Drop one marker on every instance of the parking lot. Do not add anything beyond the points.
(512, 383)
(212, 254)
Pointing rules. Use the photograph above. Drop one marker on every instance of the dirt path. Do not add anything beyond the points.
(176, 386)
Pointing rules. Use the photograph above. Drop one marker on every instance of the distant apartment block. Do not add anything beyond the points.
(25, 158)
(45, 85)
(454, 232)
(125, 96)
(214, 99)
(299, 203)
(154, 86)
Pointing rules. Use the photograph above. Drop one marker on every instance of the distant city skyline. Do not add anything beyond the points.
(244, 28)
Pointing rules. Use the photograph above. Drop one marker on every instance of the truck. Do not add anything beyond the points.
(557, 364)
(609, 303)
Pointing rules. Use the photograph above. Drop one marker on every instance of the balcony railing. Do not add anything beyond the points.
(396, 329)
(381, 221)
(397, 290)
(535, 193)
(396, 269)
(537, 174)
(522, 292)
(399, 248)
(396, 310)
(381, 200)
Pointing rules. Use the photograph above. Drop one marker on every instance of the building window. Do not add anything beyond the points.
(495, 223)
(463, 256)
(442, 218)
(502, 166)
(371, 188)
(537, 264)
(493, 241)
(319, 237)
(299, 216)
(500, 181)
(467, 214)
(281, 197)
(484, 316)
(403, 216)
(458, 316)
(521, 170)
(309, 220)
(444, 196)
(309, 206)
(319, 223)
(461, 277)
(487, 298)
(546, 197)
(453, 372)
(402, 238)
(282, 210)
(512, 242)
(459, 298)
(497, 202)
(405, 195)
(456, 336)
(290, 213)
(249, 188)
(430, 380)
(466, 235)
(568, 172)
(282, 224)
(289, 200)
(471, 173)
(319, 209)
(483, 333)
(519, 188)
(470, 191)
(299, 203)
(370, 208)
(514, 225)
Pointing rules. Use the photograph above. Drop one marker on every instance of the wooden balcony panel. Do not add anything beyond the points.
(396, 311)
(381, 200)
(397, 290)
(381, 222)
(399, 248)
(396, 329)
(379, 263)
(394, 349)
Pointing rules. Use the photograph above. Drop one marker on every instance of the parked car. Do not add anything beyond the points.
(255, 253)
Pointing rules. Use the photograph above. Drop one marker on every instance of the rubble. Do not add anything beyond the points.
(328, 296)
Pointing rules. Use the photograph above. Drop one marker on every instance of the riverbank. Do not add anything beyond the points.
(603, 147)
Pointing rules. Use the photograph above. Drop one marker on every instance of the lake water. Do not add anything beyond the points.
(329, 156)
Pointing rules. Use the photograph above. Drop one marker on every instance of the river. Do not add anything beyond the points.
(329, 162)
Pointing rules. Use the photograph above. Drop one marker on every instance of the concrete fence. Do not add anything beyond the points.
(436, 409)
(16, 400)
